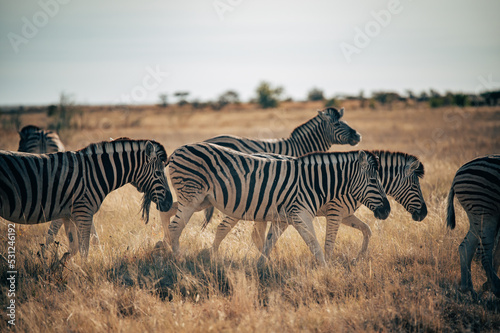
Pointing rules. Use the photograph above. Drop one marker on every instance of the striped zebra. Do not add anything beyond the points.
(268, 188)
(317, 134)
(35, 140)
(399, 174)
(72, 185)
(477, 188)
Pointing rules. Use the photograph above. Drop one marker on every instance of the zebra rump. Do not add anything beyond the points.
(35, 140)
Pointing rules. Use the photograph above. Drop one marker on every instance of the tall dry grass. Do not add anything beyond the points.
(407, 282)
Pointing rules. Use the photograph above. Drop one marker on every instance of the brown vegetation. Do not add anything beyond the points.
(407, 282)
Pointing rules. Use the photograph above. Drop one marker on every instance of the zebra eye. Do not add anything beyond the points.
(372, 181)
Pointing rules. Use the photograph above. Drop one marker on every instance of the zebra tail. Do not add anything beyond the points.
(450, 218)
(208, 216)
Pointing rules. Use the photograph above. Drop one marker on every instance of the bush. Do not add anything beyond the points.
(332, 102)
(268, 97)
(315, 94)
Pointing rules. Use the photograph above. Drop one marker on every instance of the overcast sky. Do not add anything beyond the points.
(131, 51)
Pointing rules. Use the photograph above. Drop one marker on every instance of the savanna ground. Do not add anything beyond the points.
(407, 281)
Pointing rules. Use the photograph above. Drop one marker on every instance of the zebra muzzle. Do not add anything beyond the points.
(383, 211)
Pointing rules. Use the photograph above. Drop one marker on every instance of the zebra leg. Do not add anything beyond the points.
(303, 224)
(72, 233)
(277, 228)
(356, 223)
(466, 251)
(178, 224)
(223, 229)
(333, 218)
(488, 233)
(165, 221)
(259, 234)
(84, 225)
(53, 230)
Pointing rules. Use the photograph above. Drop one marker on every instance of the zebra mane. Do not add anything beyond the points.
(311, 123)
(314, 122)
(118, 145)
(409, 158)
(30, 128)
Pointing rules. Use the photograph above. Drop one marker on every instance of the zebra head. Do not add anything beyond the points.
(30, 139)
(336, 130)
(407, 192)
(153, 180)
(367, 187)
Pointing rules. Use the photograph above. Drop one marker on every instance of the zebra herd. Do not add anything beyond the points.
(281, 181)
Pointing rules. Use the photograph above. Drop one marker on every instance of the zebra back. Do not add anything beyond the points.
(39, 188)
(317, 134)
(38, 141)
(477, 187)
(259, 187)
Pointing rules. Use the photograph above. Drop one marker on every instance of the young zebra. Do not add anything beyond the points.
(34, 140)
(477, 188)
(267, 188)
(316, 135)
(399, 174)
(72, 185)
(37, 141)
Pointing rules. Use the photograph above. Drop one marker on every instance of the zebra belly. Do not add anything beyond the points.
(263, 214)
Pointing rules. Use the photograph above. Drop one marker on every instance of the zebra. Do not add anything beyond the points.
(399, 174)
(267, 188)
(317, 134)
(477, 188)
(37, 141)
(72, 185)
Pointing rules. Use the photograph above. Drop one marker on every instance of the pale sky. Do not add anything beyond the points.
(103, 51)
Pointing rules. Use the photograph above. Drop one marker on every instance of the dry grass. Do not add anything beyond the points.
(407, 282)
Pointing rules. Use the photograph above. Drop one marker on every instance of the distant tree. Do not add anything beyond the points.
(491, 97)
(181, 95)
(386, 98)
(62, 115)
(332, 102)
(461, 100)
(228, 97)
(409, 94)
(423, 97)
(197, 104)
(315, 94)
(268, 97)
(163, 100)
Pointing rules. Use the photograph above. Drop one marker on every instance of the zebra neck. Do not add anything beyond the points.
(309, 137)
(391, 170)
(110, 170)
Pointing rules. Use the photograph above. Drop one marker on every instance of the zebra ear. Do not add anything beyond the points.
(363, 160)
(410, 169)
(341, 113)
(150, 150)
(323, 115)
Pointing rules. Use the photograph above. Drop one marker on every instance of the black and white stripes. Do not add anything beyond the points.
(318, 134)
(399, 174)
(267, 188)
(72, 185)
(38, 141)
(477, 187)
